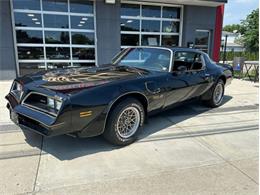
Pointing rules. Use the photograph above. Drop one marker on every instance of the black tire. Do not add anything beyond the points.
(211, 101)
(111, 133)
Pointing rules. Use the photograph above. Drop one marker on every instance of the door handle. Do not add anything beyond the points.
(206, 76)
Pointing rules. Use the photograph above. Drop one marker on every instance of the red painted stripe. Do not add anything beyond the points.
(218, 32)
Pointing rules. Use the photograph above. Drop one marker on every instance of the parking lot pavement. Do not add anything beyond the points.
(187, 150)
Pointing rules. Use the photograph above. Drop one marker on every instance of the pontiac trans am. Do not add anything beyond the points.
(115, 99)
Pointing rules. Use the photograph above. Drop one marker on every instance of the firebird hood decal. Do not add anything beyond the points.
(76, 78)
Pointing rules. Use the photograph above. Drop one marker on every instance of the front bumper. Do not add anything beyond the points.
(33, 120)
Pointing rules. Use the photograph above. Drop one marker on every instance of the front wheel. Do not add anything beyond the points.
(124, 121)
(217, 94)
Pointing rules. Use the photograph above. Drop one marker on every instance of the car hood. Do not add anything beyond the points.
(74, 79)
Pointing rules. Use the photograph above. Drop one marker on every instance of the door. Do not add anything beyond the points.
(188, 78)
(202, 40)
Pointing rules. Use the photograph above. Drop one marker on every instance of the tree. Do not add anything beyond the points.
(232, 28)
(250, 31)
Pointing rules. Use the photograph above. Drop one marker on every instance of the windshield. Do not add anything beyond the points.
(156, 59)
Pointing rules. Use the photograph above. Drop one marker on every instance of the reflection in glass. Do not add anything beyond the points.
(150, 26)
(27, 4)
(171, 12)
(27, 19)
(151, 11)
(150, 40)
(28, 68)
(83, 38)
(53, 65)
(79, 6)
(129, 40)
(170, 40)
(170, 26)
(55, 5)
(130, 25)
(30, 53)
(57, 37)
(57, 53)
(83, 53)
(55, 21)
(82, 22)
(130, 10)
(29, 36)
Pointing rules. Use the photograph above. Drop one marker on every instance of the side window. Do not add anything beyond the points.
(187, 60)
(198, 63)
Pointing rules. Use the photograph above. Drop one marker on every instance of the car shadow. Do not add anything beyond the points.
(65, 147)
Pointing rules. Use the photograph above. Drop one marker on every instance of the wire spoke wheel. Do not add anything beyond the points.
(128, 122)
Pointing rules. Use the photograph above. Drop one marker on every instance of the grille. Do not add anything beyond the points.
(41, 102)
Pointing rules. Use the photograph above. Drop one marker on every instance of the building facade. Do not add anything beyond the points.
(45, 34)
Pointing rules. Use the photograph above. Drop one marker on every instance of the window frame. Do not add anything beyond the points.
(196, 52)
(42, 12)
(161, 19)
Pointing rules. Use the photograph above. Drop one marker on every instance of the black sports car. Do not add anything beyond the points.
(115, 99)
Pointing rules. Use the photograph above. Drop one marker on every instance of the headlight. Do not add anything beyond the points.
(50, 102)
(53, 103)
(17, 89)
(58, 104)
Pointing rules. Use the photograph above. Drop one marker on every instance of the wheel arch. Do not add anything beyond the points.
(223, 78)
(136, 95)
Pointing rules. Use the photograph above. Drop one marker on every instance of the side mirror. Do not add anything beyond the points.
(182, 69)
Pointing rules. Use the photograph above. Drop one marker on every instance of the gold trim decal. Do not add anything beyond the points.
(85, 114)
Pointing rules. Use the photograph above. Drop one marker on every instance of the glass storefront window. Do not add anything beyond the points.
(57, 65)
(130, 10)
(150, 26)
(157, 25)
(170, 40)
(55, 21)
(130, 25)
(27, 19)
(55, 5)
(27, 4)
(57, 37)
(28, 68)
(82, 38)
(52, 39)
(82, 22)
(30, 53)
(171, 12)
(150, 40)
(83, 53)
(29, 36)
(151, 11)
(79, 6)
(170, 26)
(202, 40)
(129, 40)
(58, 53)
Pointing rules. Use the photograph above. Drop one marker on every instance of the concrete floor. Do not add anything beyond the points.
(187, 150)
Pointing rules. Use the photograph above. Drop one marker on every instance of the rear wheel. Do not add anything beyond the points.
(124, 121)
(217, 94)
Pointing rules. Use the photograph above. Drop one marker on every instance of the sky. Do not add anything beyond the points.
(236, 10)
